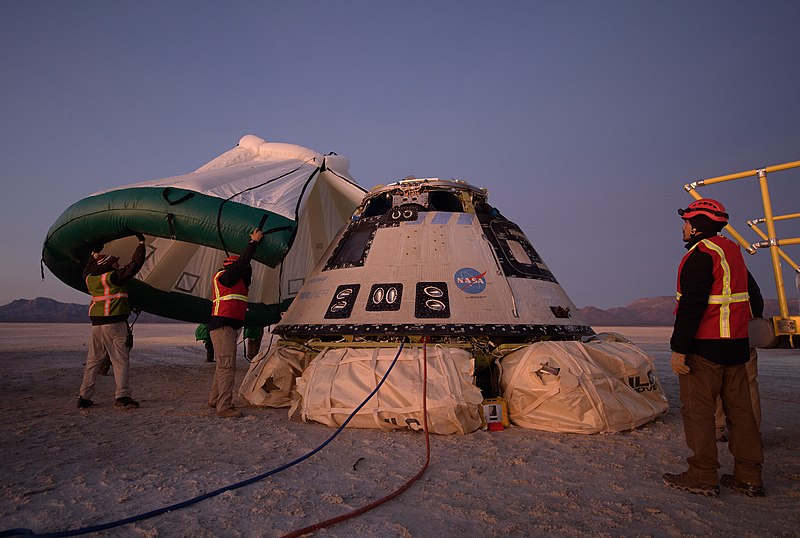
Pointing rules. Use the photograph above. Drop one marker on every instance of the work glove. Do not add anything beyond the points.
(678, 362)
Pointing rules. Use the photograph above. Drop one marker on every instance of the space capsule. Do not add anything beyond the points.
(430, 263)
(432, 257)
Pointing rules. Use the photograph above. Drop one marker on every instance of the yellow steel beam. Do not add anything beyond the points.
(781, 242)
(777, 217)
(783, 306)
(771, 239)
(748, 173)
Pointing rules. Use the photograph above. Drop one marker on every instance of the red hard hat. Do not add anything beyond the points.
(229, 260)
(705, 206)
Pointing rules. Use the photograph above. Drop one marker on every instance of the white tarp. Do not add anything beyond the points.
(592, 387)
(312, 189)
(338, 380)
(270, 380)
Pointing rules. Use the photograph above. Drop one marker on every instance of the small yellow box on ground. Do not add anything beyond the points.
(495, 410)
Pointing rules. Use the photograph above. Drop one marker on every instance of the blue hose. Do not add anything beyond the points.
(189, 502)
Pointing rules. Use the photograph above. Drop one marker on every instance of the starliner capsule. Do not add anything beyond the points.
(432, 257)
(430, 264)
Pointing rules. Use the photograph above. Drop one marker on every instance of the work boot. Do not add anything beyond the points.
(729, 481)
(126, 401)
(230, 413)
(83, 403)
(684, 482)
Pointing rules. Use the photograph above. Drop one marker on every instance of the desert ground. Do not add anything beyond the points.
(65, 470)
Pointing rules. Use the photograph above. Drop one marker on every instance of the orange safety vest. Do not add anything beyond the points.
(108, 299)
(229, 302)
(728, 311)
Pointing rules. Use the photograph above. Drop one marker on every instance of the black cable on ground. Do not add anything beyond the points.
(189, 502)
(338, 519)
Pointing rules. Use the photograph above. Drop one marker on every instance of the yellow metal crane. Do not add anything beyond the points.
(786, 328)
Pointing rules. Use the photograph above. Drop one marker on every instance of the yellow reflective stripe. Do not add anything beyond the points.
(724, 299)
(721, 299)
(724, 306)
(727, 299)
(217, 299)
(232, 296)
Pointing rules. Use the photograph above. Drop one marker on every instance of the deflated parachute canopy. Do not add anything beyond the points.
(300, 199)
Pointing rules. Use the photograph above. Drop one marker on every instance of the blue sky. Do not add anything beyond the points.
(583, 119)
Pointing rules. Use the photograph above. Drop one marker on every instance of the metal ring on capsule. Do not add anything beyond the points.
(344, 293)
(433, 291)
(435, 304)
(338, 307)
(377, 295)
(391, 295)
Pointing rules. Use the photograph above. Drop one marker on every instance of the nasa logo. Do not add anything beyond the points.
(469, 280)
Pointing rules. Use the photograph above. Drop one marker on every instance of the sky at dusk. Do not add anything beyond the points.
(583, 119)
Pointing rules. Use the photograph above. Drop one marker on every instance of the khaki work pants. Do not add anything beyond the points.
(755, 397)
(107, 341)
(224, 340)
(699, 391)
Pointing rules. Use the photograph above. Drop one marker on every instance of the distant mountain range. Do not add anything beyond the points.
(655, 312)
(44, 310)
(649, 312)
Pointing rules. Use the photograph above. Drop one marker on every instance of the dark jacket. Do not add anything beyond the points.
(238, 270)
(119, 277)
(696, 280)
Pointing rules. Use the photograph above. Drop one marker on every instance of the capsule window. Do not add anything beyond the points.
(444, 201)
(377, 206)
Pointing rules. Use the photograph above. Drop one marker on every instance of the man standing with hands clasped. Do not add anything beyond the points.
(710, 347)
(229, 294)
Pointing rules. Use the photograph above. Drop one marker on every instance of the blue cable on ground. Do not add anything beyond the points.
(184, 504)
(364, 509)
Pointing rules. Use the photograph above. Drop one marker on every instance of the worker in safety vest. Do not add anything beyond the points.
(229, 306)
(109, 311)
(710, 347)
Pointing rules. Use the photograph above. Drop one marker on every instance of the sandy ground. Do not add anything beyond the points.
(64, 469)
